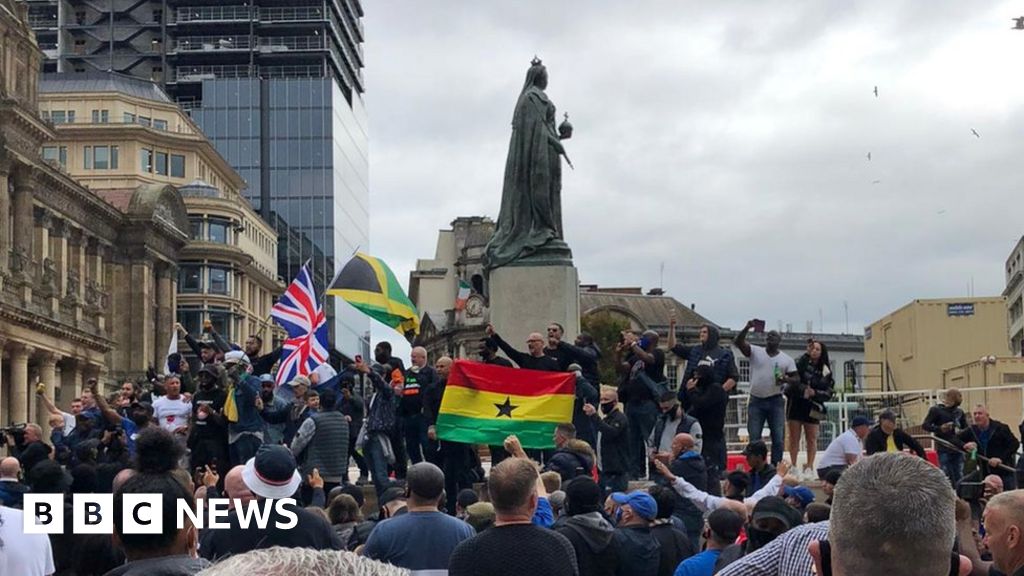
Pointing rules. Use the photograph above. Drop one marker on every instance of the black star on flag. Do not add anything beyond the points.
(506, 408)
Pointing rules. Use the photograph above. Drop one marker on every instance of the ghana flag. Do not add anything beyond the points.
(371, 287)
(484, 403)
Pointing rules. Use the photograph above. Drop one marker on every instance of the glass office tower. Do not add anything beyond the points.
(275, 84)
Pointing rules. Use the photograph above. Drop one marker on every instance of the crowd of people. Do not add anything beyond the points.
(223, 428)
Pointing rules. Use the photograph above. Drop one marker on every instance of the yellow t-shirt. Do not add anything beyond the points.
(890, 444)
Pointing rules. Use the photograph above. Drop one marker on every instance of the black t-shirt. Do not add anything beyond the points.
(516, 550)
(656, 371)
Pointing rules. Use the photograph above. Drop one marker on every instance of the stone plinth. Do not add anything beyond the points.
(526, 298)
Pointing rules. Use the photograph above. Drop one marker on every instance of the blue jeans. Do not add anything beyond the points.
(641, 417)
(416, 442)
(773, 411)
(377, 462)
(952, 464)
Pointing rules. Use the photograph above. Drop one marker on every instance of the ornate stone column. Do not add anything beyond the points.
(21, 261)
(165, 272)
(5, 209)
(48, 377)
(19, 382)
(70, 381)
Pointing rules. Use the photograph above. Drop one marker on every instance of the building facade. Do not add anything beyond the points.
(1014, 294)
(127, 133)
(276, 86)
(914, 344)
(86, 281)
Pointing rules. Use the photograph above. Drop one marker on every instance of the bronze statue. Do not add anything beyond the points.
(531, 196)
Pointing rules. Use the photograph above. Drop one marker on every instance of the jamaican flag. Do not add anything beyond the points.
(368, 284)
(484, 403)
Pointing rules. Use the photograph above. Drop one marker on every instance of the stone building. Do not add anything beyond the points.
(85, 281)
(116, 133)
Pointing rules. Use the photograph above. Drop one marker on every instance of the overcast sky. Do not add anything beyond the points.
(727, 140)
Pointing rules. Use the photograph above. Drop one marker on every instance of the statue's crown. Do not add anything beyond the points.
(536, 61)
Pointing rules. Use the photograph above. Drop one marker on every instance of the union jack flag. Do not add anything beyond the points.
(299, 312)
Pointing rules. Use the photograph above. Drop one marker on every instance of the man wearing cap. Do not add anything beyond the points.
(845, 449)
(760, 471)
(271, 475)
(293, 414)
(245, 428)
(887, 437)
(639, 551)
(722, 528)
(798, 497)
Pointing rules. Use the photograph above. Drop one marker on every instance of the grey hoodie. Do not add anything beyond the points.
(593, 528)
(181, 565)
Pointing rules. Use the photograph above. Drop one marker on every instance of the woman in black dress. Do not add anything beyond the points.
(806, 402)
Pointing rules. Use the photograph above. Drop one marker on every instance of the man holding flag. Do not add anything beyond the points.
(299, 312)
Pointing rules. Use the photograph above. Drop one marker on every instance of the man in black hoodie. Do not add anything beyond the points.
(706, 400)
(675, 544)
(640, 552)
(592, 537)
(612, 441)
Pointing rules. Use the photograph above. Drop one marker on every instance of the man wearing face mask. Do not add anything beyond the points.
(640, 552)
(208, 436)
(612, 441)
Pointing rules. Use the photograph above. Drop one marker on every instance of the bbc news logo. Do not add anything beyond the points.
(144, 513)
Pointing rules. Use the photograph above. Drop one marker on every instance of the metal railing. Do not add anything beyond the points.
(213, 14)
(288, 43)
(213, 43)
(291, 14)
(200, 73)
(308, 71)
(1005, 403)
(42, 20)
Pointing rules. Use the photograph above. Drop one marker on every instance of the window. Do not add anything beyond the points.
(145, 121)
(87, 161)
(101, 157)
(113, 157)
(218, 280)
(195, 228)
(161, 163)
(221, 320)
(160, 124)
(129, 118)
(58, 117)
(218, 231)
(177, 166)
(45, 115)
(192, 320)
(100, 116)
(190, 278)
(146, 160)
(56, 154)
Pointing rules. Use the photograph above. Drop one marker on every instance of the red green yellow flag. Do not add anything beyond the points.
(484, 403)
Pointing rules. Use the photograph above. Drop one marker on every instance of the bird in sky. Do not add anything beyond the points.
(1018, 23)
(877, 182)
(876, 91)
(941, 212)
(869, 156)
(975, 132)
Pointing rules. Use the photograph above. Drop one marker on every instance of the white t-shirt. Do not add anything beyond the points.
(172, 414)
(835, 454)
(762, 371)
(23, 554)
(69, 422)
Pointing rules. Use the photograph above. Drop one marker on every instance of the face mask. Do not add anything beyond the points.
(607, 407)
(267, 396)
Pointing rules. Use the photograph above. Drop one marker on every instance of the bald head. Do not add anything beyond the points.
(682, 443)
(122, 477)
(9, 468)
(1004, 530)
(426, 484)
(536, 342)
(443, 366)
(235, 486)
(419, 356)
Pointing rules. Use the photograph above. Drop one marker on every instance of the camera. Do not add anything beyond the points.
(970, 491)
(16, 431)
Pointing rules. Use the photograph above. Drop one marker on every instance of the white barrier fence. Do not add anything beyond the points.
(1005, 404)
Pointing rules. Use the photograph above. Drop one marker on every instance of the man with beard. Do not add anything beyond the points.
(208, 436)
(260, 364)
(272, 433)
(140, 417)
